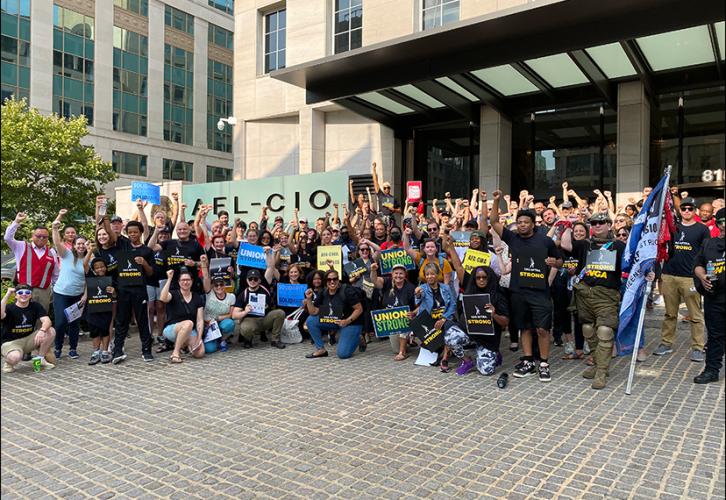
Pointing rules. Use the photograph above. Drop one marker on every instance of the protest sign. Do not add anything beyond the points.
(219, 268)
(213, 332)
(355, 269)
(145, 191)
(330, 313)
(258, 302)
(330, 253)
(601, 260)
(478, 319)
(460, 239)
(129, 272)
(387, 322)
(570, 263)
(426, 357)
(423, 328)
(99, 300)
(413, 191)
(251, 256)
(290, 295)
(73, 312)
(395, 256)
(530, 267)
(474, 259)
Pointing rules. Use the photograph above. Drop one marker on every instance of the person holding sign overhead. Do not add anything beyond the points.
(439, 302)
(336, 308)
(397, 292)
(533, 253)
(597, 291)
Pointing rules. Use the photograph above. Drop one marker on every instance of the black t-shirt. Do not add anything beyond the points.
(178, 309)
(20, 322)
(599, 277)
(398, 297)
(140, 251)
(687, 242)
(244, 298)
(110, 257)
(176, 251)
(711, 258)
(387, 203)
(519, 246)
(344, 300)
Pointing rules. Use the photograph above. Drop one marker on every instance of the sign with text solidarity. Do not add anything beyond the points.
(290, 295)
(387, 322)
(145, 191)
(311, 194)
(395, 256)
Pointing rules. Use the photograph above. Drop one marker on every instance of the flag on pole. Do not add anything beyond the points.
(639, 258)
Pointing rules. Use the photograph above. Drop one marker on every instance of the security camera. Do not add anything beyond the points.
(220, 125)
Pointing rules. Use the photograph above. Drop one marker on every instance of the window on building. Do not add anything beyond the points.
(275, 40)
(140, 7)
(15, 48)
(435, 13)
(129, 163)
(178, 19)
(175, 170)
(218, 174)
(220, 37)
(219, 105)
(73, 47)
(348, 25)
(130, 73)
(178, 94)
(223, 5)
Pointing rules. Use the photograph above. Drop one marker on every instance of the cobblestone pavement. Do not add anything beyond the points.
(269, 423)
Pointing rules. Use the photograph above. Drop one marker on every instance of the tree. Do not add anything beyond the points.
(45, 167)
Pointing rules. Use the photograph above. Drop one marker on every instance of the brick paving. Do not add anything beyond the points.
(271, 424)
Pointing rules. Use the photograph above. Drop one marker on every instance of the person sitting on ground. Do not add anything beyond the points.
(253, 318)
(439, 302)
(218, 306)
(184, 316)
(19, 336)
(397, 292)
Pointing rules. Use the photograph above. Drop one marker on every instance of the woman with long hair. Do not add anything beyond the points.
(437, 300)
(184, 316)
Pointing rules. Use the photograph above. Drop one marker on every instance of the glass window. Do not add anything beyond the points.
(140, 7)
(178, 19)
(677, 49)
(223, 5)
(129, 163)
(219, 105)
(220, 37)
(130, 71)
(348, 25)
(505, 79)
(175, 170)
(15, 49)
(558, 70)
(218, 174)
(274, 57)
(73, 56)
(178, 95)
(435, 13)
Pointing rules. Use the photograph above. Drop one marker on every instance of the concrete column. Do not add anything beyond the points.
(155, 83)
(41, 55)
(495, 151)
(239, 150)
(103, 66)
(201, 45)
(633, 140)
(312, 140)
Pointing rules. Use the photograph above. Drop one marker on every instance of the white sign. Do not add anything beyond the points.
(258, 301)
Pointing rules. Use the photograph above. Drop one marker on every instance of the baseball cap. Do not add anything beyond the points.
(218, 279)
(567, 204)
(23, 286)
(600, 217)
(398, 266)
(116, 218)
(688, 202)
(254, 273)
(478, 233)
(304, 220)
(278, 218)
(720, 216)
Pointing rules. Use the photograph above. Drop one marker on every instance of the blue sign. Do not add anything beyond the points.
(290, 295)
(145, 191)
(251, 256)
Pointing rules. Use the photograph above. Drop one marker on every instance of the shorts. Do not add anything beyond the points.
(25, 345)
(597, 305)
(96, 332)
(170, 334)
(153, 293)
(531, 309)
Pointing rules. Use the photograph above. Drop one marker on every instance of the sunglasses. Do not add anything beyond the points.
(253, 278)
(23, 292)
(365, 249)
(622, 234)
(683, 209)
(332, 280)
(40, 237)
(433, 229)
(598, 223)
(219, 285)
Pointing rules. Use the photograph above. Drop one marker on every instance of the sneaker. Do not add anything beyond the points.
(147, 356)
(662, 350)
(95, 358)
(73, 354)
(569, 348)
(223, 346)
(8, 368)
(706, 377)
(119, 358)
(246, 344)
(544, 372)
(586, 349)
(110, 346)
(106, 357)
(558, 340)
(465, 367)
(659, 301)
(519, 365)
(278, 344)
(697, 356)
(444, 366)
(525, 369)
(46, 364)
(57, 353)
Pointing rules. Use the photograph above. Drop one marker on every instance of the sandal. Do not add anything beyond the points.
(174, 359)
(444, 367)
(573, 356)
(590, 361)
(163, 348)
(400, 357)
(513, 346)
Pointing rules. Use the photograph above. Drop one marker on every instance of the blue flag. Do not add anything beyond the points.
(638, 260)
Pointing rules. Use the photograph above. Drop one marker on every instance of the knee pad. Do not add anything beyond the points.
(605, 335)
(588, 330)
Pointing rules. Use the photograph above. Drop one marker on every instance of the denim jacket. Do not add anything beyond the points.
(427, 300)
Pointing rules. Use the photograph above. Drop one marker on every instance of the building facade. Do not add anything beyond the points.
(152, 78)
(517, 94)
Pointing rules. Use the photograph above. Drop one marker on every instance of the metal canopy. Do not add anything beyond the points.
(559, 52)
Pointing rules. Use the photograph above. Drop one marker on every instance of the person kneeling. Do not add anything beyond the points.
(184, 310)
(19, 336)
(335, 308)
(256, 300)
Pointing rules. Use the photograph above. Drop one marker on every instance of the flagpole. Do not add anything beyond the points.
(648, 288)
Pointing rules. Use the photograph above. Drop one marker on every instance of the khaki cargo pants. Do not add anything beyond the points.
(677, 289)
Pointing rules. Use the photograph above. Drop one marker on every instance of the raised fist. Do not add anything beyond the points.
(447, 194)
(62, 212)
(170, 273)
(552, 199)
(608, 194)
(175, 196)
(374, 267)
(203, 259)
(565, 185)
(496, 195)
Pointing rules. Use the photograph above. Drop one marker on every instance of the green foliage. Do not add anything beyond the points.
(45, 167)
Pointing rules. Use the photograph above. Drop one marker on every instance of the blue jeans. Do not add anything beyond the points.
(226, 326)
(61, 325)
(349, 336)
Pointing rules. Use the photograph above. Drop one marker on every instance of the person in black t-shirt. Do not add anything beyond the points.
(711, 282)
(335, 308)
(19, 336)
(397, 291)
(677, 282)
(184, 316)
(183, 251)
(597, 291)
(533, 254)
(255, 310)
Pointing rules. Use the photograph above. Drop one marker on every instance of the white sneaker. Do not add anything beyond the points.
(8, 368)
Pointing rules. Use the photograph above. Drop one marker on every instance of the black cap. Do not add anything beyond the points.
(720, 216)
(116, 218)
(688, 202)
(601, 217)
(254, 273)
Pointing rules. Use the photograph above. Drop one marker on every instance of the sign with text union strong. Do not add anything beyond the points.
(311, 194)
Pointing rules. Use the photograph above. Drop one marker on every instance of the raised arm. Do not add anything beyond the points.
(57, 238)
(407, 244)
(15, 245)
(566, 241)
(377, 280)
(494, 217)
(271, 272)
(153, 241)
(4, 302)
(206, 280)
(165, 294)
(352, 194)
(483, 215)
(200, 226)
(611, 205)
(141, 215)
(174, 208)
(374, 173)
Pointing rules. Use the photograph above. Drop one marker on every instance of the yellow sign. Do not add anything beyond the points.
(474, 259)
(330, 253)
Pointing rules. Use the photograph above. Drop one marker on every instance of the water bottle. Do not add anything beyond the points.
(710, 271)
(502, 380)
(102, 208)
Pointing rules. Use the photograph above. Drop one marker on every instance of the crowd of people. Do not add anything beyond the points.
(551, 270)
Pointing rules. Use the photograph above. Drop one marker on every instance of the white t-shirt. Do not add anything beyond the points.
(215, 307)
